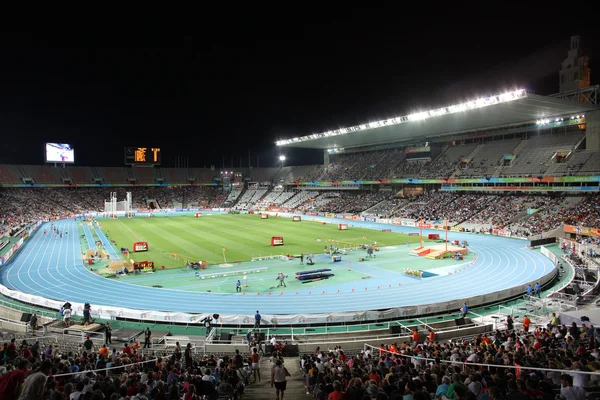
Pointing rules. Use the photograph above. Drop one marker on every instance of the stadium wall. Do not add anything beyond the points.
(108, 312)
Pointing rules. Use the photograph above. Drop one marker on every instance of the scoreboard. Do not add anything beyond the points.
(148, 156)
(140, 246)
(143, 265)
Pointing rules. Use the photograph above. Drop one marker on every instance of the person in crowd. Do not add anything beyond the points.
(279, 376)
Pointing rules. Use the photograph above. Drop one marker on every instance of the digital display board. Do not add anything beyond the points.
(142, 155)
(277, 241)
(140, 246)
(59, 153)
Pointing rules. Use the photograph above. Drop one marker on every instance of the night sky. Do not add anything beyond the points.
(215, 93)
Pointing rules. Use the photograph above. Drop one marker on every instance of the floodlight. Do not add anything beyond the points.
(418, 116)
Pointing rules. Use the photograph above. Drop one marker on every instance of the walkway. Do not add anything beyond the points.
(263, 390)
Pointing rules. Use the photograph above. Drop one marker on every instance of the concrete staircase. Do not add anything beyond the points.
(366, 212)
(263, 390)
(471, 156)
(516, 152)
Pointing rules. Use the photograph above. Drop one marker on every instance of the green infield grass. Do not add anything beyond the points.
(219, 239)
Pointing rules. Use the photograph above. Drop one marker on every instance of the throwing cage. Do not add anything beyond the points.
(113, 207)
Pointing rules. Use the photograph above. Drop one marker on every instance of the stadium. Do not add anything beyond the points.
(331, 194)
(408, 220)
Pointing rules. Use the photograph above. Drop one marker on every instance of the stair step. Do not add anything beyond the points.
(263, 390)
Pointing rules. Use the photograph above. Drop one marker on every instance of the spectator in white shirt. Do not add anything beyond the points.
(570, 392)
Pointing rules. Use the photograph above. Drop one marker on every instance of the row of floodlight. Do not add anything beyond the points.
(549, 120)
(470, 105)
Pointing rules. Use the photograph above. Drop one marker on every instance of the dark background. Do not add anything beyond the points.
(220, 93)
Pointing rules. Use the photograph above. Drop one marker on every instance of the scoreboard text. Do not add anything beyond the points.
(142, 155)
(140, 246)
(277, 241)
(143, 265)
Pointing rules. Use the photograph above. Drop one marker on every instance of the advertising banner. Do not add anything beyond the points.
(549, 254)
(370, 219)
(412, 150)
(581, 230)
(330, 215)
(338, 216)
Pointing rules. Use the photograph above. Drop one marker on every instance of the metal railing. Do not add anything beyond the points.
(466, 365)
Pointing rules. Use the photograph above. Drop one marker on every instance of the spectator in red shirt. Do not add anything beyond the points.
(374, 376)
(127, 350)
(11, 382)
(337, 393)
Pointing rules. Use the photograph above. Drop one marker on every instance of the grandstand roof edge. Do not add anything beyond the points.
(511, 108)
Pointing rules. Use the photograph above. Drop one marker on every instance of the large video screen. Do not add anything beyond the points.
(59, 153)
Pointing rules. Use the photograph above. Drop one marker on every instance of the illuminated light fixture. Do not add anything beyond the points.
(420, 116)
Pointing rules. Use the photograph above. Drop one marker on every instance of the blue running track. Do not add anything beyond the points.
(52, 267)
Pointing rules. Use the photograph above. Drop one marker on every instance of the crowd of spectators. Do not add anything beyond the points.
(386, 208)
(372, 165)
(20, 207)
(408, 169)
(502, 209)
(353, 203)
(555, 212)
(423, 368)
(467, 206)
(524, 216)
(37, 371)
(585, 213)
(383, 164)
(350, 166)
(431, 206)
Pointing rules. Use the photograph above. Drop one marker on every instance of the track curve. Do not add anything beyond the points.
(53, 268)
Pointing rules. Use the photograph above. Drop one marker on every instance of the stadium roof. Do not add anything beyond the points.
(507, 109)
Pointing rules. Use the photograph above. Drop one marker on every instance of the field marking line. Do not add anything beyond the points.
(129, 229)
